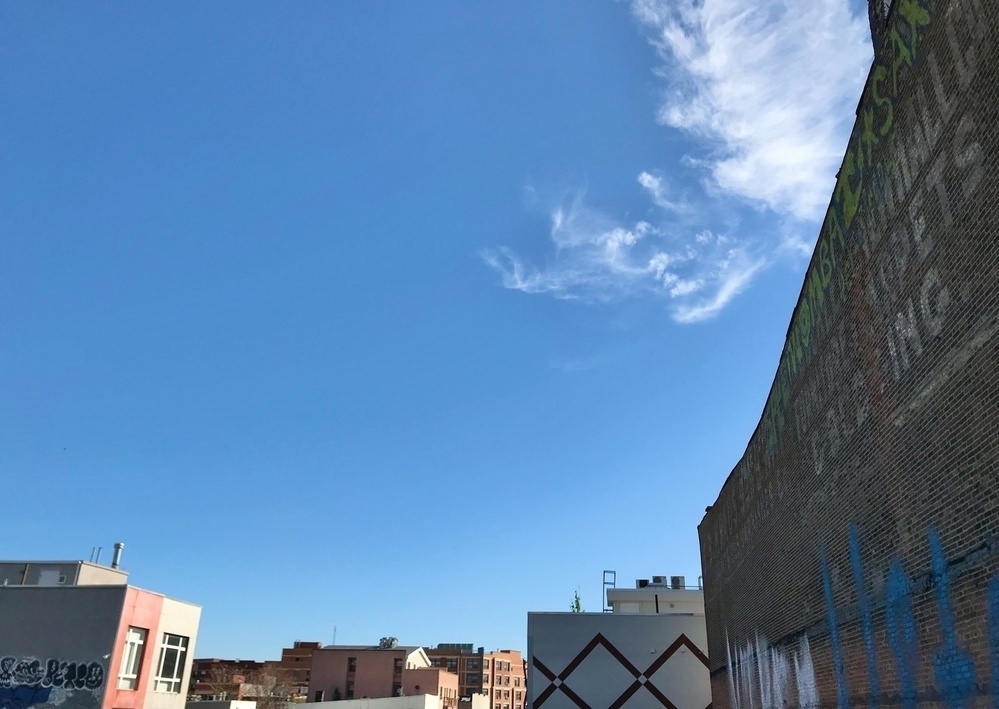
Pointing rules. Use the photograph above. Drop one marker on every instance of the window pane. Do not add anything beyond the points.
(170, 669)
(131, 658)
(169, 666)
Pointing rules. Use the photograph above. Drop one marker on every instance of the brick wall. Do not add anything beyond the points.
(852, 556)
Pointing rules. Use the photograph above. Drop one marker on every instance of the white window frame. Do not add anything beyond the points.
(131, 658)
(173, 682)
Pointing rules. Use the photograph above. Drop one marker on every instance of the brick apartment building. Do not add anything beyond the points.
(219, 679)
(295, 666)
(500, 675)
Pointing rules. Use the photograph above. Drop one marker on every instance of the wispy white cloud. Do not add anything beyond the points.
(764, 92)
(599, 259)
(656, 187)
(733, 275)
(770, 85)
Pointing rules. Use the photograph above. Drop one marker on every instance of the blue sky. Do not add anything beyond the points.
(399, 318)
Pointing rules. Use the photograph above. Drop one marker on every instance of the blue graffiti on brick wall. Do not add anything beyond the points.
(953, 668)
(27, 681)
(759, 673)
(864, 605)
(902, 638)
(993, 621)
(841, 691)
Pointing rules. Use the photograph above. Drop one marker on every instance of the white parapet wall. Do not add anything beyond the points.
(416, 701)
(602, 660)
(227, 704)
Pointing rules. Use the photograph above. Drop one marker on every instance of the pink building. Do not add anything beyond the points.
(377, 671)
(430, 680)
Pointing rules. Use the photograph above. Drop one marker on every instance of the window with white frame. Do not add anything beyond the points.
(131, 658)
(170, 670)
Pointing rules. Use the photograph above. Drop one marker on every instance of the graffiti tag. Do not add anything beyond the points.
(32, 672)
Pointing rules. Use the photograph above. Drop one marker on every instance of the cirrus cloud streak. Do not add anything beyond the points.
(763, 93)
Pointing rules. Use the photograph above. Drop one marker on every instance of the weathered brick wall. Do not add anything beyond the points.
(852, 557)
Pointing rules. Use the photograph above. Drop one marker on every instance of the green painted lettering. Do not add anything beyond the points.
(882, 101)
(868, 139)
(826, 263)
(849, 194)
(917, 16)
(900, 56)
(816, 295)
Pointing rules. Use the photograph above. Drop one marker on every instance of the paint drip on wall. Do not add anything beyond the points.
(760, 676)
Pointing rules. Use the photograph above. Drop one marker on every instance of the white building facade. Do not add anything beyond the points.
(650, 652)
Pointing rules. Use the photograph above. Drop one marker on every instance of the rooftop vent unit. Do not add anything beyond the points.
(677, 582)
(641, 583)
(658, 580)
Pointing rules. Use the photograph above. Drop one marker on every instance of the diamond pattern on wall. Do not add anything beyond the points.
(559, 682)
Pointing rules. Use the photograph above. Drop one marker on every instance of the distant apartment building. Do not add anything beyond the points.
(294, 667)
(504, 680)
(463, 660)
(406, 701)
(215, 679)
(73, 634)
(218, 680)
(499, 675)
(417, 681)
(388, 669)
(649, 651)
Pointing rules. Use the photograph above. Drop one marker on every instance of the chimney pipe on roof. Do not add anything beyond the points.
(116, 559)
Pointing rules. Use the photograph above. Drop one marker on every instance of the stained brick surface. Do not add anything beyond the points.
(852, 555)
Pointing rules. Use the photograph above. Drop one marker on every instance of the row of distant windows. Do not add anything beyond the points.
(472, 663)
(505, 694)
(473, 679)
(498, 665)
(352, 664)
(169, 666)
